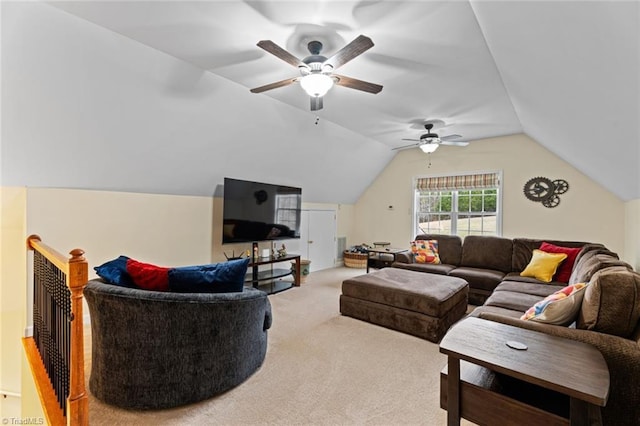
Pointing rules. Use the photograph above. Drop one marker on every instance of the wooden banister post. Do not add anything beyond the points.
(34, 237)
(78, 401)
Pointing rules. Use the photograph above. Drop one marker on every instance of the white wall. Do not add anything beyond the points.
(85, 107)
(587, 212)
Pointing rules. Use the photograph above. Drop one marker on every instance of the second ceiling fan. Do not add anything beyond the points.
(316, 71)
(429, 142)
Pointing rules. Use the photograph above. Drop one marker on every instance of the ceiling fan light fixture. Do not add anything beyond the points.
(428, 148)
(316, 84)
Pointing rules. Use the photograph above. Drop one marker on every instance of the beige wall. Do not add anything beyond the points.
(346, 221)
(587, 212)
(13, 301)
(162, 229)
(632, 233)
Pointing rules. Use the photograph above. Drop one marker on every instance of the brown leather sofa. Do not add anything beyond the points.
(483, 261)
(609, 318)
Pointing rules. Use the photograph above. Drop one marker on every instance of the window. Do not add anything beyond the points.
(458, 205)
(287, 210)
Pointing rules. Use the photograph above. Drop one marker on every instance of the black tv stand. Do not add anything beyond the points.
(267, 280)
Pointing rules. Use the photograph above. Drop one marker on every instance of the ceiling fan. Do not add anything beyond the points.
(429, 142)
(316, 71)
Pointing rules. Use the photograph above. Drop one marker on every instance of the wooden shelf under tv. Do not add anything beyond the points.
(265, 280)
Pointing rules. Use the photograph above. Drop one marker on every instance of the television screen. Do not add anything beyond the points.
(255, 211)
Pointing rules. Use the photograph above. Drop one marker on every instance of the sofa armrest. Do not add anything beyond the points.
(621, 355)
(404, 257)
(593, 338)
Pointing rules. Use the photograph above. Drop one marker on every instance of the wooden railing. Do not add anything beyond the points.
(56, 350)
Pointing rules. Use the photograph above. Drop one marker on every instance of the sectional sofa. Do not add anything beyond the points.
(609, 315)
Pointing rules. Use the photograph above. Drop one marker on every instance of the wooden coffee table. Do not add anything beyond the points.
(572, 368)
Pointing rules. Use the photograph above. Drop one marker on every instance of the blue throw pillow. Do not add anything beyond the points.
(115, 272)
(222, 277)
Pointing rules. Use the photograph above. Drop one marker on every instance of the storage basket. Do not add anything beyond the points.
(355, 260)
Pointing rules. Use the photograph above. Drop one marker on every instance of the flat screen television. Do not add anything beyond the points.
(256, 211)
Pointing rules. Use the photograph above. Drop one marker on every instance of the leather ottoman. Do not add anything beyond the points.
(417, 303)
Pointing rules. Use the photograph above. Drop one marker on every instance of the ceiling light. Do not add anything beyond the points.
(428, 148)
(316, 84)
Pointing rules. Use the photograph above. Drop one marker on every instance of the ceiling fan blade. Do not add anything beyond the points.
(358, 46)
(449, 137)
(316, 103)
(454, 143)
(354, 83)
(275, 85)
(278, 51)
(415, 140)
(413, 145)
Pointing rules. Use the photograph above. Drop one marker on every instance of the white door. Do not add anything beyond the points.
(318, 238)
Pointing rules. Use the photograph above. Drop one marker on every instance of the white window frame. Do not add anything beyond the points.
(454, 201)
(283, 214)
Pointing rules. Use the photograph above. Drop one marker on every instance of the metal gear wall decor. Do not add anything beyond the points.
(545, 191)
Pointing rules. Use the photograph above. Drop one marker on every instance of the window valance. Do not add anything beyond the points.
(459, 182)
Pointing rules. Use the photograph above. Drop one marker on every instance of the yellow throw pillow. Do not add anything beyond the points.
(543, 265)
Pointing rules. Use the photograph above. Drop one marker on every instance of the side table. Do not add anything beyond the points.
(381, 244)
(568, 367)
(374, 260)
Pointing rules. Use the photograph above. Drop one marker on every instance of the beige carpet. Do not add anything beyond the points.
(321, 368)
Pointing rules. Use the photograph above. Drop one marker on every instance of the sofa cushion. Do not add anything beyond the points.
(536, 289)
(425, 251)
(449, 247)
(487, 253)
(543, 265)
(515, 276)
(599, 248)
(513, 300)
(485, 279)
(559, 308)
(477, 312)
(441, 268)
(611, 302)
(566, 267)
(523, 249)
(587, 264)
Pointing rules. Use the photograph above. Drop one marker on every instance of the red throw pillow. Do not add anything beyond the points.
(564, 270)
(148, 276)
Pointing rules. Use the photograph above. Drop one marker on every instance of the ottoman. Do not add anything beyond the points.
(418, 303)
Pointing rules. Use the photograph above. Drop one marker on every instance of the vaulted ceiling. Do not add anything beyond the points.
(564, 73)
